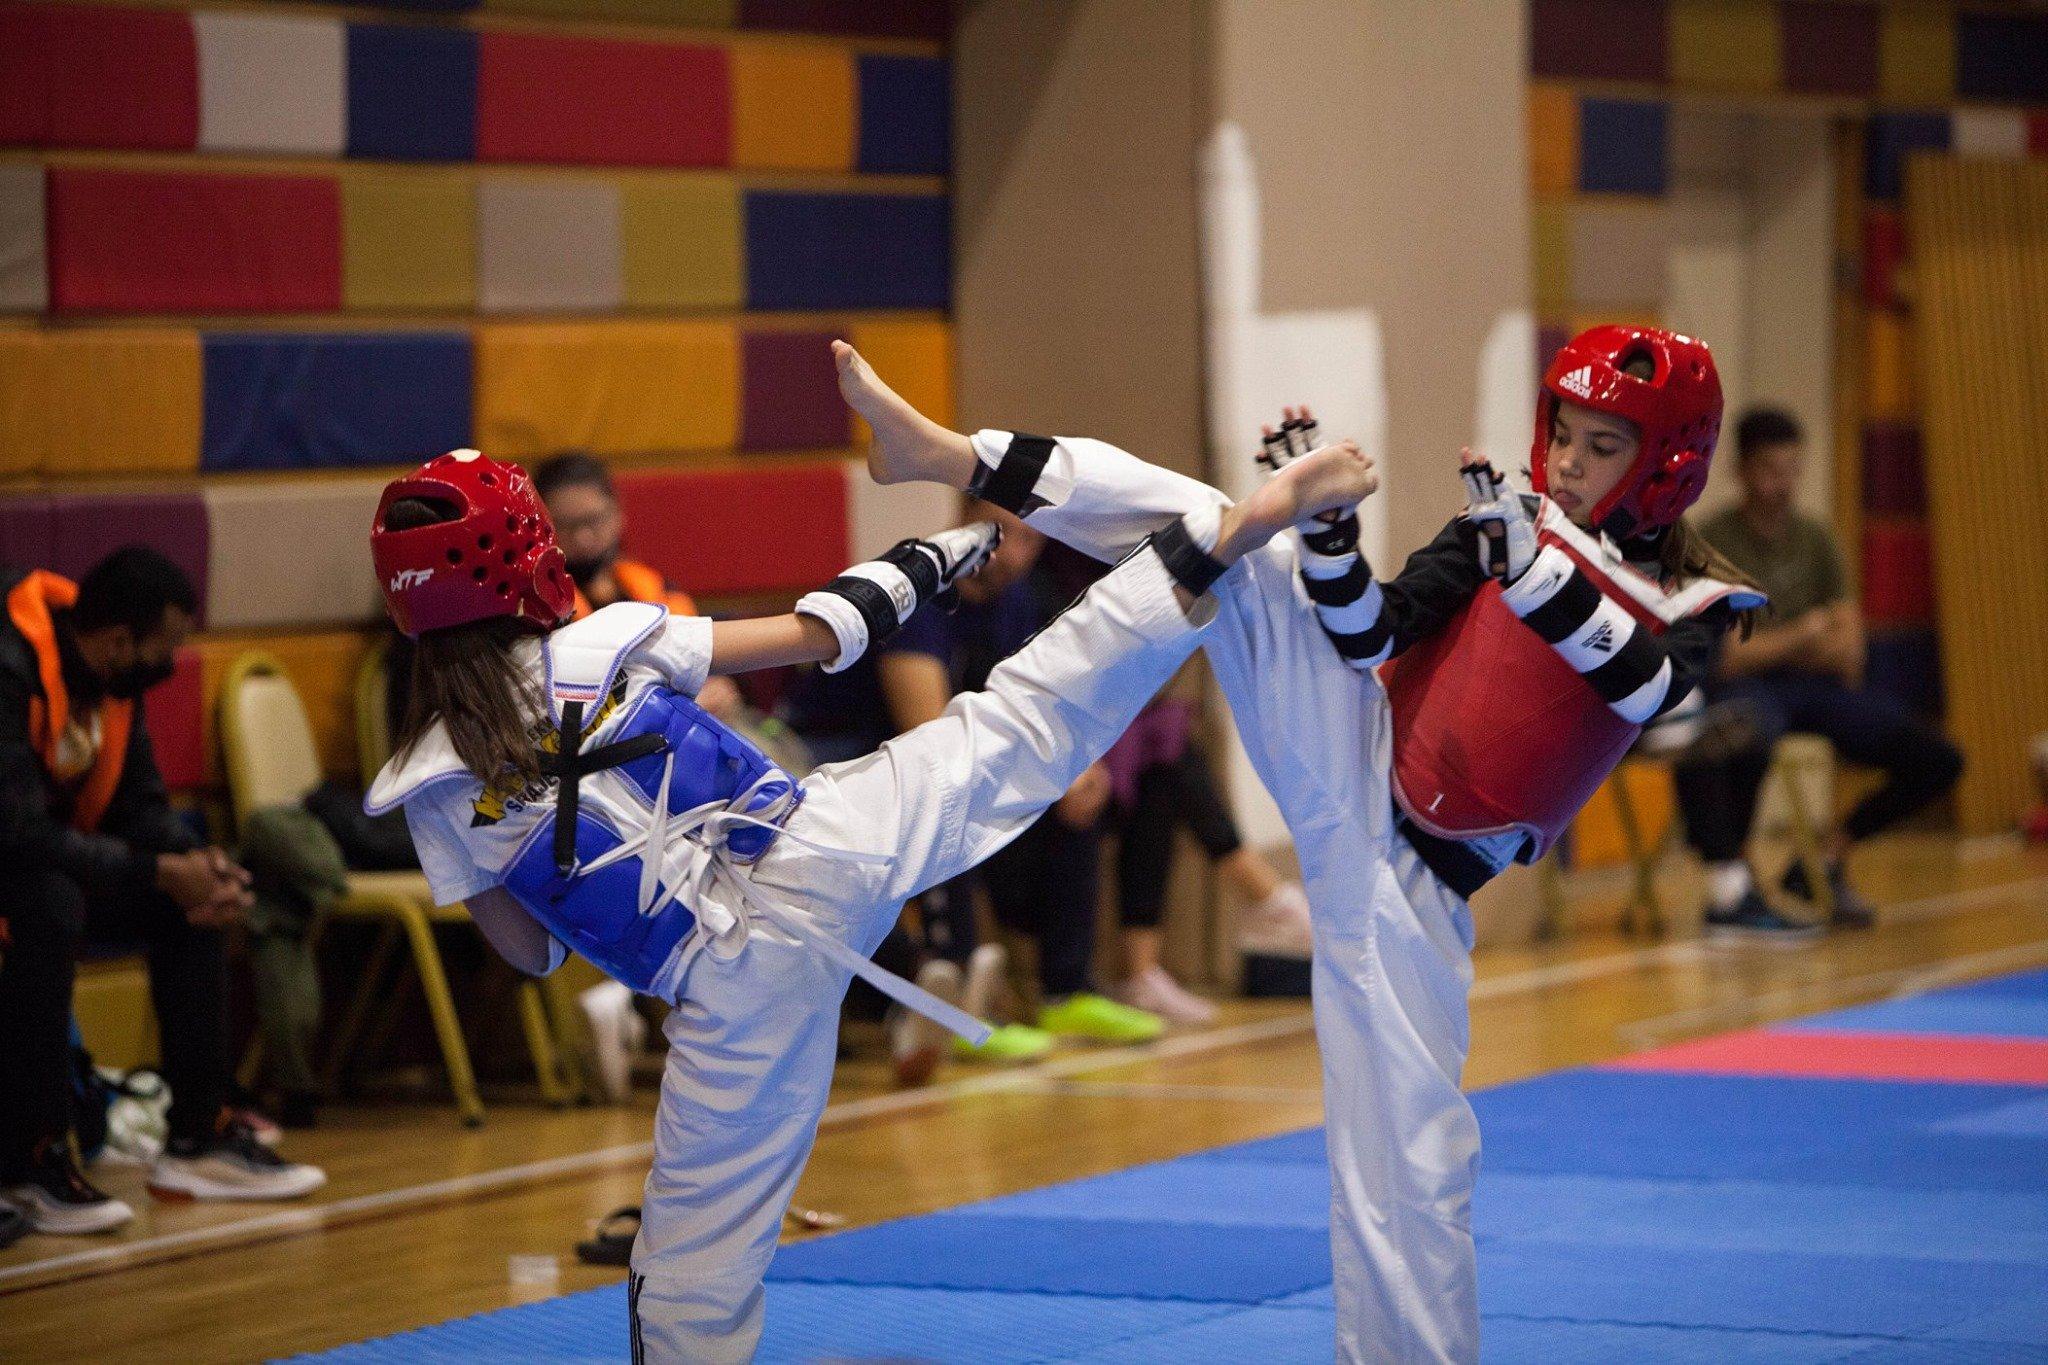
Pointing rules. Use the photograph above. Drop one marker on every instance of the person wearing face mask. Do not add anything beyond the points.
(93, 850)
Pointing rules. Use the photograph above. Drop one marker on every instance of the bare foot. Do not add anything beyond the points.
(1338, 475)
(907, 445)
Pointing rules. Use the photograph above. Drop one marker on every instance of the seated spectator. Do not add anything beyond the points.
(94, 851)
(1802, 672)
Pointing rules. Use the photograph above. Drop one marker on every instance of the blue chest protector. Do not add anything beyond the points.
(586, 871)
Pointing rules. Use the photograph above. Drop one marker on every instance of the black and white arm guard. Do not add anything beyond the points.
(1623, 660)
(1349, 604)
(870, 601)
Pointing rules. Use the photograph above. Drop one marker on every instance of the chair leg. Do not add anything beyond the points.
(566, 1024)
(1806, 840)
(1642, 862)
(441, 1005)
(349, 1029)
(540, 1041)
(1550, 889)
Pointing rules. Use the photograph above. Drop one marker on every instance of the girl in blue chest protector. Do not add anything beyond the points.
(559, 781)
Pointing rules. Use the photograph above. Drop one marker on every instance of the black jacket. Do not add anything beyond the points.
(35, 828)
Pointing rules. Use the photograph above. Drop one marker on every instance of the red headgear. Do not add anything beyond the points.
(1677, 409)
(498, 556)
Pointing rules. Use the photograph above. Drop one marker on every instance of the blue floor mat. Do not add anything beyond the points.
(1622, 1216)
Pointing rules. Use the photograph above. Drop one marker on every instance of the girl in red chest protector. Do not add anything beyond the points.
(1420, 734)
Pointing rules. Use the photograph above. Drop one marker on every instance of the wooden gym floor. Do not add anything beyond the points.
(421, 1214)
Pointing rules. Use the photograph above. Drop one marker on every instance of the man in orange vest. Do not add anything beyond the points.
(93, 850)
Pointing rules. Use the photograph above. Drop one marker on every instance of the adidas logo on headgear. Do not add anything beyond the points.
(1579, 381)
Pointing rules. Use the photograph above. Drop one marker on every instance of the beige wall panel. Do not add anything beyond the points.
(291, 553)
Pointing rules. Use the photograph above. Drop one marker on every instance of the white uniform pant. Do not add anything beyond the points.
(751, 1045)
(1393, 962)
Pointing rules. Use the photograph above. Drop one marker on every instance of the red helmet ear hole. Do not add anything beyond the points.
(504, 590)
(512, 523)
(509, 557)
(477, 573)
(483, 542)
(454, 555)
(487, 479)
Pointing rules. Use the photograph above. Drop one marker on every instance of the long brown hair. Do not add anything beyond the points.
(466, 678)
(1685, 555)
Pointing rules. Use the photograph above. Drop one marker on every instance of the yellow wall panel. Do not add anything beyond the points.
(1887, 367)
(123, 401)
(916, 359)
(682, 242)
(1553, 139)
(792, 107)
(1597, 838)
(24, 403)
(1725, 45)
(613, 388)
(1917, 54)
(1550, 247)
(408, 240)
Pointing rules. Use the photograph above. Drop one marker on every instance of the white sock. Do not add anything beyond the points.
(1727, 883)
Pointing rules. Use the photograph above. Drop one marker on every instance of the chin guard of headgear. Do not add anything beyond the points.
(1677, 409)
(496, 557)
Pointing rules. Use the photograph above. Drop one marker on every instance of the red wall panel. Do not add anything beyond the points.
(79, 76)
(602, 102)
(177, 242)
(704, 530)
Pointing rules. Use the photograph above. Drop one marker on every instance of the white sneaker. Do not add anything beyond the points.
(917, 1044)
(56, 1198)
(233, 1165)
(1157, 993)
(985, 967)
(1278, 926)
(616, 1032)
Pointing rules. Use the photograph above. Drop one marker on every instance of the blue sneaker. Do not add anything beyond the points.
(1751, 921)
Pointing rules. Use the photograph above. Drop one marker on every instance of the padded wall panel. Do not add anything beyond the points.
(408, 240)
(180, 242)
(915, 358)
(792, 106)
(26, 530)
(931, 19)
(847, 251)
(681, 242)
(411, 93)
(546, 246)
(1891, 137)
(121, 401)
(292, 553)
(174, 711)
(683, 13)
(1600, 40)
(2037, 134)
(704, 528)
(613, 388)
(1550, 251)
(2000, 134)
(321, 665)
(97, 76)
(1887, 370)
(24, 261)
(1917, 53)
(320, 400)
(906, 115)
(1898, 572)
(24, 409)
(1830, 49)
(883, 514)
(1553, 140)
(1620, 254)
(1725, 45)
(789, 392)
(1906, 662)
(2002, 57)
(1622, 146)
(85, 529)
(1894, 477)
(271, 83)
(602, 102)
(1884, 253)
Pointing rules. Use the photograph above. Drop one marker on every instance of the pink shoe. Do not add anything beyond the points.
(1157, 993)
(1278, 925)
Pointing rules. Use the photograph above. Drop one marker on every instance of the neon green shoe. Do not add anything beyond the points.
(1098, 1019)
(1008, 1045)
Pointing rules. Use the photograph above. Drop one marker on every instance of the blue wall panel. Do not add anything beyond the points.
(328, 400)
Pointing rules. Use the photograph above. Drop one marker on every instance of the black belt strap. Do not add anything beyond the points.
(571, 765)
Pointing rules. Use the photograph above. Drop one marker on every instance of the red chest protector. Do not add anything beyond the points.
(1493, 731)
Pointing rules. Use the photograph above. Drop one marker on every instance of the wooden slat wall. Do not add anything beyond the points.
(1980, 235)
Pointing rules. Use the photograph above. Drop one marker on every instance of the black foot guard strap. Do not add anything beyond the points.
(1009, 485)
(1188, 563)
